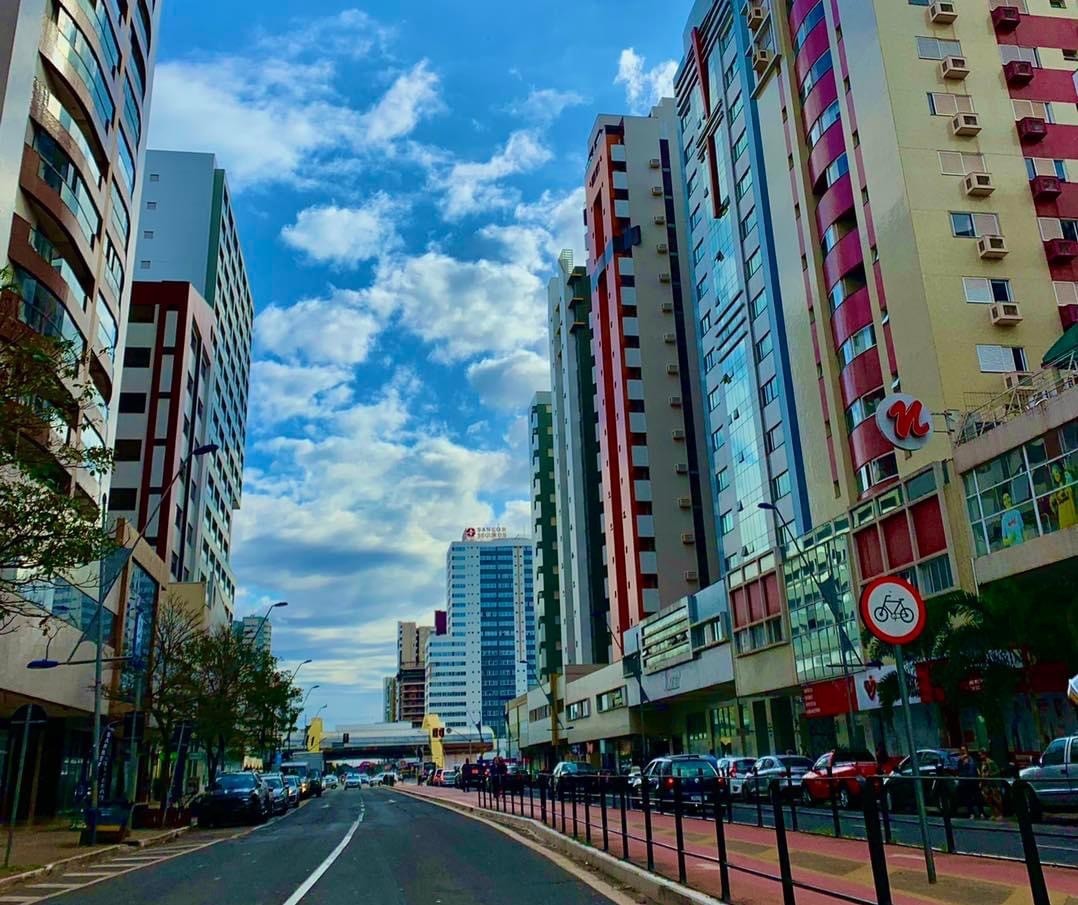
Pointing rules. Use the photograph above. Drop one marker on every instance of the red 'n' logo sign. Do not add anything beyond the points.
(909, 419)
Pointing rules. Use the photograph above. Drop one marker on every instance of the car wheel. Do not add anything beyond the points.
(806, 797)
(1033, 805)
(844, 798)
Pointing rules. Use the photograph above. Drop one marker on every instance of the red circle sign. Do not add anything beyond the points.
(893, 610)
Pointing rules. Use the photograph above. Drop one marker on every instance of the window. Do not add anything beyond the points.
(984, 291)
(763, 347)
(823, 122)
(838, 168)
(1011, 52)
(1043, 166)
(1036, 109)
(959, 163)
(691, 184)
(814, 18)
(780, 486)
(128, 450)
(696, 216)
(966, 225)
(937, 49)
(1055, 228)
(701, 287)
(774, 439)
(864, 408)
(741, 145)
(744, 185)
(578, 710)
(726, 523)
(723, 479)
(123, 499)
(698, 252)
(748, 223)
(754, 263)
(136, 357)
(758, 304)
(882, 469)
(769, 391)
(132, 403)
(151, 205)
(944, 104)
(736, 106)
(1001, 359)
(817, 71)
(610, 700)
(863, 340)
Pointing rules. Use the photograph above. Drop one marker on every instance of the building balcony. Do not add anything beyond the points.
(1018, 73)
(1006, 19)
(1060, 251)
(1032, 129)
(1046, 188)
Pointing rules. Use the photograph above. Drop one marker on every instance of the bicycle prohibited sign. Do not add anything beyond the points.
(893, 610)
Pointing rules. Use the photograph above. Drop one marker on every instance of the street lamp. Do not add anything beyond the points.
(292, 675)
(302, 708)
(833, 604)
(258, 631)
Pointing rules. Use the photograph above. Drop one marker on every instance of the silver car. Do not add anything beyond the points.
(1054, 777)
(786, 768)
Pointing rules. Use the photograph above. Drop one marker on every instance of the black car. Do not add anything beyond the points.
(567, 771)
(314, 783)
(697, 774)
(235, 797)
(472, 776)
(938, 768)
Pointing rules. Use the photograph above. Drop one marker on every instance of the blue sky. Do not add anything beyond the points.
(403, 185)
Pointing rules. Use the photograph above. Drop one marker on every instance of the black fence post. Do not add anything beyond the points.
(562, 781)
(785, 872)
(834, 803)
(729, 795)
(876, 853)
(573, 789)
(645, 804)
(1021, 793)
(885, 812)
(542, 798)
(793, 798)
(945, 800)
(720, 845)
(531, 797)
(679, 830)
(759, 801)
(602, 814)
(624, 824)
(587, 810)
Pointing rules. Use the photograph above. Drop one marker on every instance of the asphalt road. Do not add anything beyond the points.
(392, 850)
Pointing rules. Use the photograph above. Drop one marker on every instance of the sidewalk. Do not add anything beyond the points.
(46, 844)
(838, 865)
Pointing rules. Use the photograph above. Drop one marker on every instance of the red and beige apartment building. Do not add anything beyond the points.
(658, 524)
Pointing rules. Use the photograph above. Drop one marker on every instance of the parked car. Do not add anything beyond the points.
(235, 797)
(1053, 777)
(314, 783)
(699, 779)
(364, 779)
(472, 776)
(515, 778)
(732, 771)
(450, 777)
(936, 766)
(330, 781)
(378, 779)
(837, 773)
(786, 769)
(352, 781)
(567, 770)
(291, 783)
(278, 792)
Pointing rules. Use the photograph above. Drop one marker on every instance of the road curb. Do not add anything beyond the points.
(90, 857)
(656, 888)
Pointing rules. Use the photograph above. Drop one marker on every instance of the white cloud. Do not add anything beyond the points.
(471, 187)
(280, 392)
(644, 87)
(509, 381)
(545, 105)
(346, 236)
(412, 96)
(338, 329)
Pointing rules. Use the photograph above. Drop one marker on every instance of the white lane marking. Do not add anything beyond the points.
(325, 865)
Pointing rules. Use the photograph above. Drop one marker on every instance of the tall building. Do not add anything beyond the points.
(411, 671)
(918, 246)
(389, 699)
(188, 235)
(545, 559)
(658, 518)
(256, 631)
(585, 607)
(75, 84)
(488, 656)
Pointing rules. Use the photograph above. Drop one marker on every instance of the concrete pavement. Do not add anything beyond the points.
(373, 847)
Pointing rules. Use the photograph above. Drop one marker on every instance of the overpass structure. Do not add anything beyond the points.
(432, 741)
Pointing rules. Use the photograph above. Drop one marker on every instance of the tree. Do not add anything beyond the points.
(47, 529)
(221, 668)
(272, 705)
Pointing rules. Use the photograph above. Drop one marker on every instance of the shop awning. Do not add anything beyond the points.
(1063, 347)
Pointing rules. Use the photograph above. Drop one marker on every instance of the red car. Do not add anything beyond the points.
(840, 769)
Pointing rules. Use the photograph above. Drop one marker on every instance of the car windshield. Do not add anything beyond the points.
(274, 782)
(794, 762)
(291, 781)
(231, 782)
(580, 768)
(695, 767)
(851, 757)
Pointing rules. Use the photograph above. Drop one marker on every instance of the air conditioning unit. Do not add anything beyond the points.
(666, 307)
(684, 502)
(1060, 251)
(664, 277)
(1005, 314)
(670, 338)
(761, 58)
(677, 434)
(687, 537)
(660, 220)
(692, 576)
(954, 68)
(755, 13)
(1015, 380)
(991, 248)
(681, 468)
(657, 191)
(672, 369)
(979, 184)
(675, 402)
(942, 12)
(1032, 129)
(1045, 188)
(662, 248)
(1018, 73)
(1006, 18)
(655, 163)
(965, 124)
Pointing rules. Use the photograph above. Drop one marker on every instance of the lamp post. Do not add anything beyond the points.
(302, 708)
(258, 631)
(307, 727)
(835, 606)
(292, 675)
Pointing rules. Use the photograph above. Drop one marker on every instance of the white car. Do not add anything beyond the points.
(378, 779)
(353, 781)
(330, 781)
(364, 779)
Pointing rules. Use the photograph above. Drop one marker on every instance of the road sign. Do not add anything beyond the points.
(893, 610)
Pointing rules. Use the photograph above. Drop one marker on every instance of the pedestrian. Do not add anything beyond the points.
(881, 757)
(969, 792)
(990, 787)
